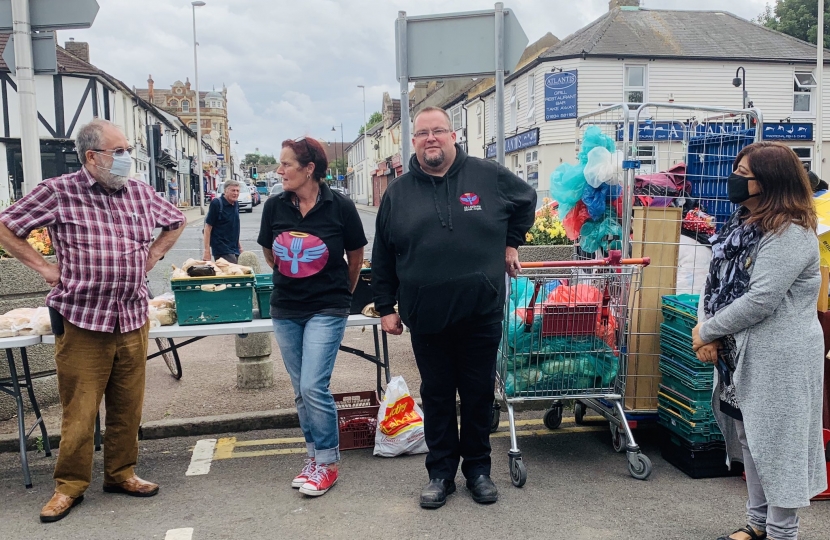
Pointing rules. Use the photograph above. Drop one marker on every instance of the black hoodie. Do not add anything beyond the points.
(440, 242)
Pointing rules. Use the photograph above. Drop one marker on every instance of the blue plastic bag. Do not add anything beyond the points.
(594, 138)
(596, 235)
(595, 200)
(566, 184)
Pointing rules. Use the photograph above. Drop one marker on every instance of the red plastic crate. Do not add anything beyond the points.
(569, 319)
(357, 417)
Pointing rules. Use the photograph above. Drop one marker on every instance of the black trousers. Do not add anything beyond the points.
(459, 359)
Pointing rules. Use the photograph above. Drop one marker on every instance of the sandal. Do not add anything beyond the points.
(750, 530)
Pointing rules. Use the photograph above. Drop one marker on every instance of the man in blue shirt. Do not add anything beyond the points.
(222, 225)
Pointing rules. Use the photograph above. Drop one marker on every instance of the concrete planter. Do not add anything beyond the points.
(546, 253)
(21, 287)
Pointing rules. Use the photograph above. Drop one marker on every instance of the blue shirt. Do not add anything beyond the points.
(224, 218)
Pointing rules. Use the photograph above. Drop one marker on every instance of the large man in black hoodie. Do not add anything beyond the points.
(446, 233)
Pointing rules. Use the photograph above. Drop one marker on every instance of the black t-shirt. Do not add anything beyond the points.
(224, 218)
(311, 275)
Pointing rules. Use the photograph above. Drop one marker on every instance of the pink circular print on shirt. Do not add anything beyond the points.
(299, 255)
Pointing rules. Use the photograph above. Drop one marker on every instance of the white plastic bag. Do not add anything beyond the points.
(600, 167)
(400, 423)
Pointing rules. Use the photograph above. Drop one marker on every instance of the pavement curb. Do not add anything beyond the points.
(214, 425)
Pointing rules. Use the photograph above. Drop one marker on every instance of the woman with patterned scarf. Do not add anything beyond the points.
(758, 325)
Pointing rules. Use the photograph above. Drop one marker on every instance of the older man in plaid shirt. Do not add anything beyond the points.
(101, 223)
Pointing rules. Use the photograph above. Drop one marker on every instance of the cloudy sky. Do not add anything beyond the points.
(292, 67)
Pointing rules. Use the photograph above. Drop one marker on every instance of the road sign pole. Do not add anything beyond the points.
(24, 62)
(404, 80)
(500, 83)
(198, 120)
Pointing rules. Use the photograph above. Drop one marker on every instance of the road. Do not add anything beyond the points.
(190, 244)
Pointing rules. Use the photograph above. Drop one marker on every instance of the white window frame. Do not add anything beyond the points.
(456, 111)
(192, 126)
(532, 160)
(800, 89)
(514, 109)
(174, 103)
(187, 103)
(531, 98)
(648, 161)
(806, 161)
(480, 119)
(627, 88)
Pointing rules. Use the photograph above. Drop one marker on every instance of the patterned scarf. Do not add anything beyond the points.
(733, 249)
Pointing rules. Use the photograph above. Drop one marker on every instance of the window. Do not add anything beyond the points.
(634, 91)
(803, 85)
(185, 106)
(479, 119)
(491, 134)
(648, 159)
(805, 154)
(174, 103)
(532, 166)
(514, 109)
(455, 116)
(531, 97)
(192, 126)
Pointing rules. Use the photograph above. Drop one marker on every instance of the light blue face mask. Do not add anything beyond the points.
(121, 164)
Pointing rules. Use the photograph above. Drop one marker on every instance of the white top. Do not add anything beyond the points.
(20, 341)
(256, 326)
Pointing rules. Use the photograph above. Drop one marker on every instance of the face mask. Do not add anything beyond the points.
(121, 165)
(738, 188)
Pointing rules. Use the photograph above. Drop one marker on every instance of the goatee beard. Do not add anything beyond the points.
(111, 181)
(435, 161)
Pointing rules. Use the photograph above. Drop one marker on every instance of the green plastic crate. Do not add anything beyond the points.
(692, 432)
(686, 303)
(674, 345)
(695, 385)
(679, 320)
(264, 288)
(234, 303)
(690, 410)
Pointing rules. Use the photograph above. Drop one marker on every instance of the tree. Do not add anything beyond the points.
(258, 159)
(374, 119)
(796, 18)
(267, 160)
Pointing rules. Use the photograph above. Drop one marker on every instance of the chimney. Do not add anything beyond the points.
(623, 3)
(79, 49)
(151, 93)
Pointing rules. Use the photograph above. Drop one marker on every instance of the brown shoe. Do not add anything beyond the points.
(58, 507)
(135, 487)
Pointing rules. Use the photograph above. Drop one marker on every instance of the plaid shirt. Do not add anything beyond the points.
(101, 241)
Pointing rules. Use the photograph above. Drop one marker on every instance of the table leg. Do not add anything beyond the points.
(97, 437)
(379, 363)
(386, 365)
(21, 426)
(47, 449)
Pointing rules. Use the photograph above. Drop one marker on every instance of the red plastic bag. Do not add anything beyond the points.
(575, 219)
(572, 295)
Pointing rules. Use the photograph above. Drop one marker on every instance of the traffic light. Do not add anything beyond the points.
(252, 172)
(328, 174)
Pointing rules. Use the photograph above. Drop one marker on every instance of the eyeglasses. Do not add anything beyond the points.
(424, 133)
(310, 148)
(116, 151)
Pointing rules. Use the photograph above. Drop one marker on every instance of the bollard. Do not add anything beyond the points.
(255, 368)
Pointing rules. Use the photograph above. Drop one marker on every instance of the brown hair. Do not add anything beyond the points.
(308, 150)
(786, 196)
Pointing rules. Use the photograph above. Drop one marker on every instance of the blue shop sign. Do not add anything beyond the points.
(655, 131)
(516, 142)
(561, 95)
(788, 132)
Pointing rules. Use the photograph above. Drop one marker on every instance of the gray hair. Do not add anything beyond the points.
(433, 109)
(90, 137)
(230, 184)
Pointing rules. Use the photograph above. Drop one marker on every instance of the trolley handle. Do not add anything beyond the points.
(614, 259)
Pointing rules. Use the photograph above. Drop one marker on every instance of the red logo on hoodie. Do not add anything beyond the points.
(471, 201)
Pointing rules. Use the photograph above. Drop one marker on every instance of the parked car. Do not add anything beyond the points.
(262, 187)
(246, 203)
(276, 189)
(254, 194)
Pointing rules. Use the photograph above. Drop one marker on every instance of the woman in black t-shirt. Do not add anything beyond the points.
(304, 235)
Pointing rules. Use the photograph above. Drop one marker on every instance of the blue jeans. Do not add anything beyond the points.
(308, 347)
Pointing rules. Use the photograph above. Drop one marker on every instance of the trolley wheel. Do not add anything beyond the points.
(579, 412)
(553, 417)
(518, 472)
(494, 422)
(175, 370)
(618, 440)
(642, 470)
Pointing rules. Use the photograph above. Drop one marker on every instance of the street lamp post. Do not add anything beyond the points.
(364, 106)
(342, 146)
(196, 4)
(738, 82)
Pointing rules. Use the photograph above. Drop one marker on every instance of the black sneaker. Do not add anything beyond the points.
(483, 489)
(434, 494)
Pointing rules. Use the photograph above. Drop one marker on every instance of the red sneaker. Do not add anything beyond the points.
(305, 474)
(320, 481)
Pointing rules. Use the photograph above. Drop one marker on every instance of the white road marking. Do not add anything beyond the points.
(179, 534)
(200, 462)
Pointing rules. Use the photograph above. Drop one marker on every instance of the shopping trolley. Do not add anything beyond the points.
(565, 337)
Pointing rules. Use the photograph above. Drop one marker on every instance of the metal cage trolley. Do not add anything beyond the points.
(565, 338)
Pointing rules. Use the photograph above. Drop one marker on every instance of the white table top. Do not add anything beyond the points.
(256, 326)
(19, 341)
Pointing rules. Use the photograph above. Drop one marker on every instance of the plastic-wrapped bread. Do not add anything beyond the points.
(6, 327)
(37, 324)
(17, 319)
(166, 300)
(161, 317)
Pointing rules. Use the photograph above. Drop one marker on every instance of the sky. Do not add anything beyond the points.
(292, 68)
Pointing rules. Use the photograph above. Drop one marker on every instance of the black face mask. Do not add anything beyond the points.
(738, 188)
